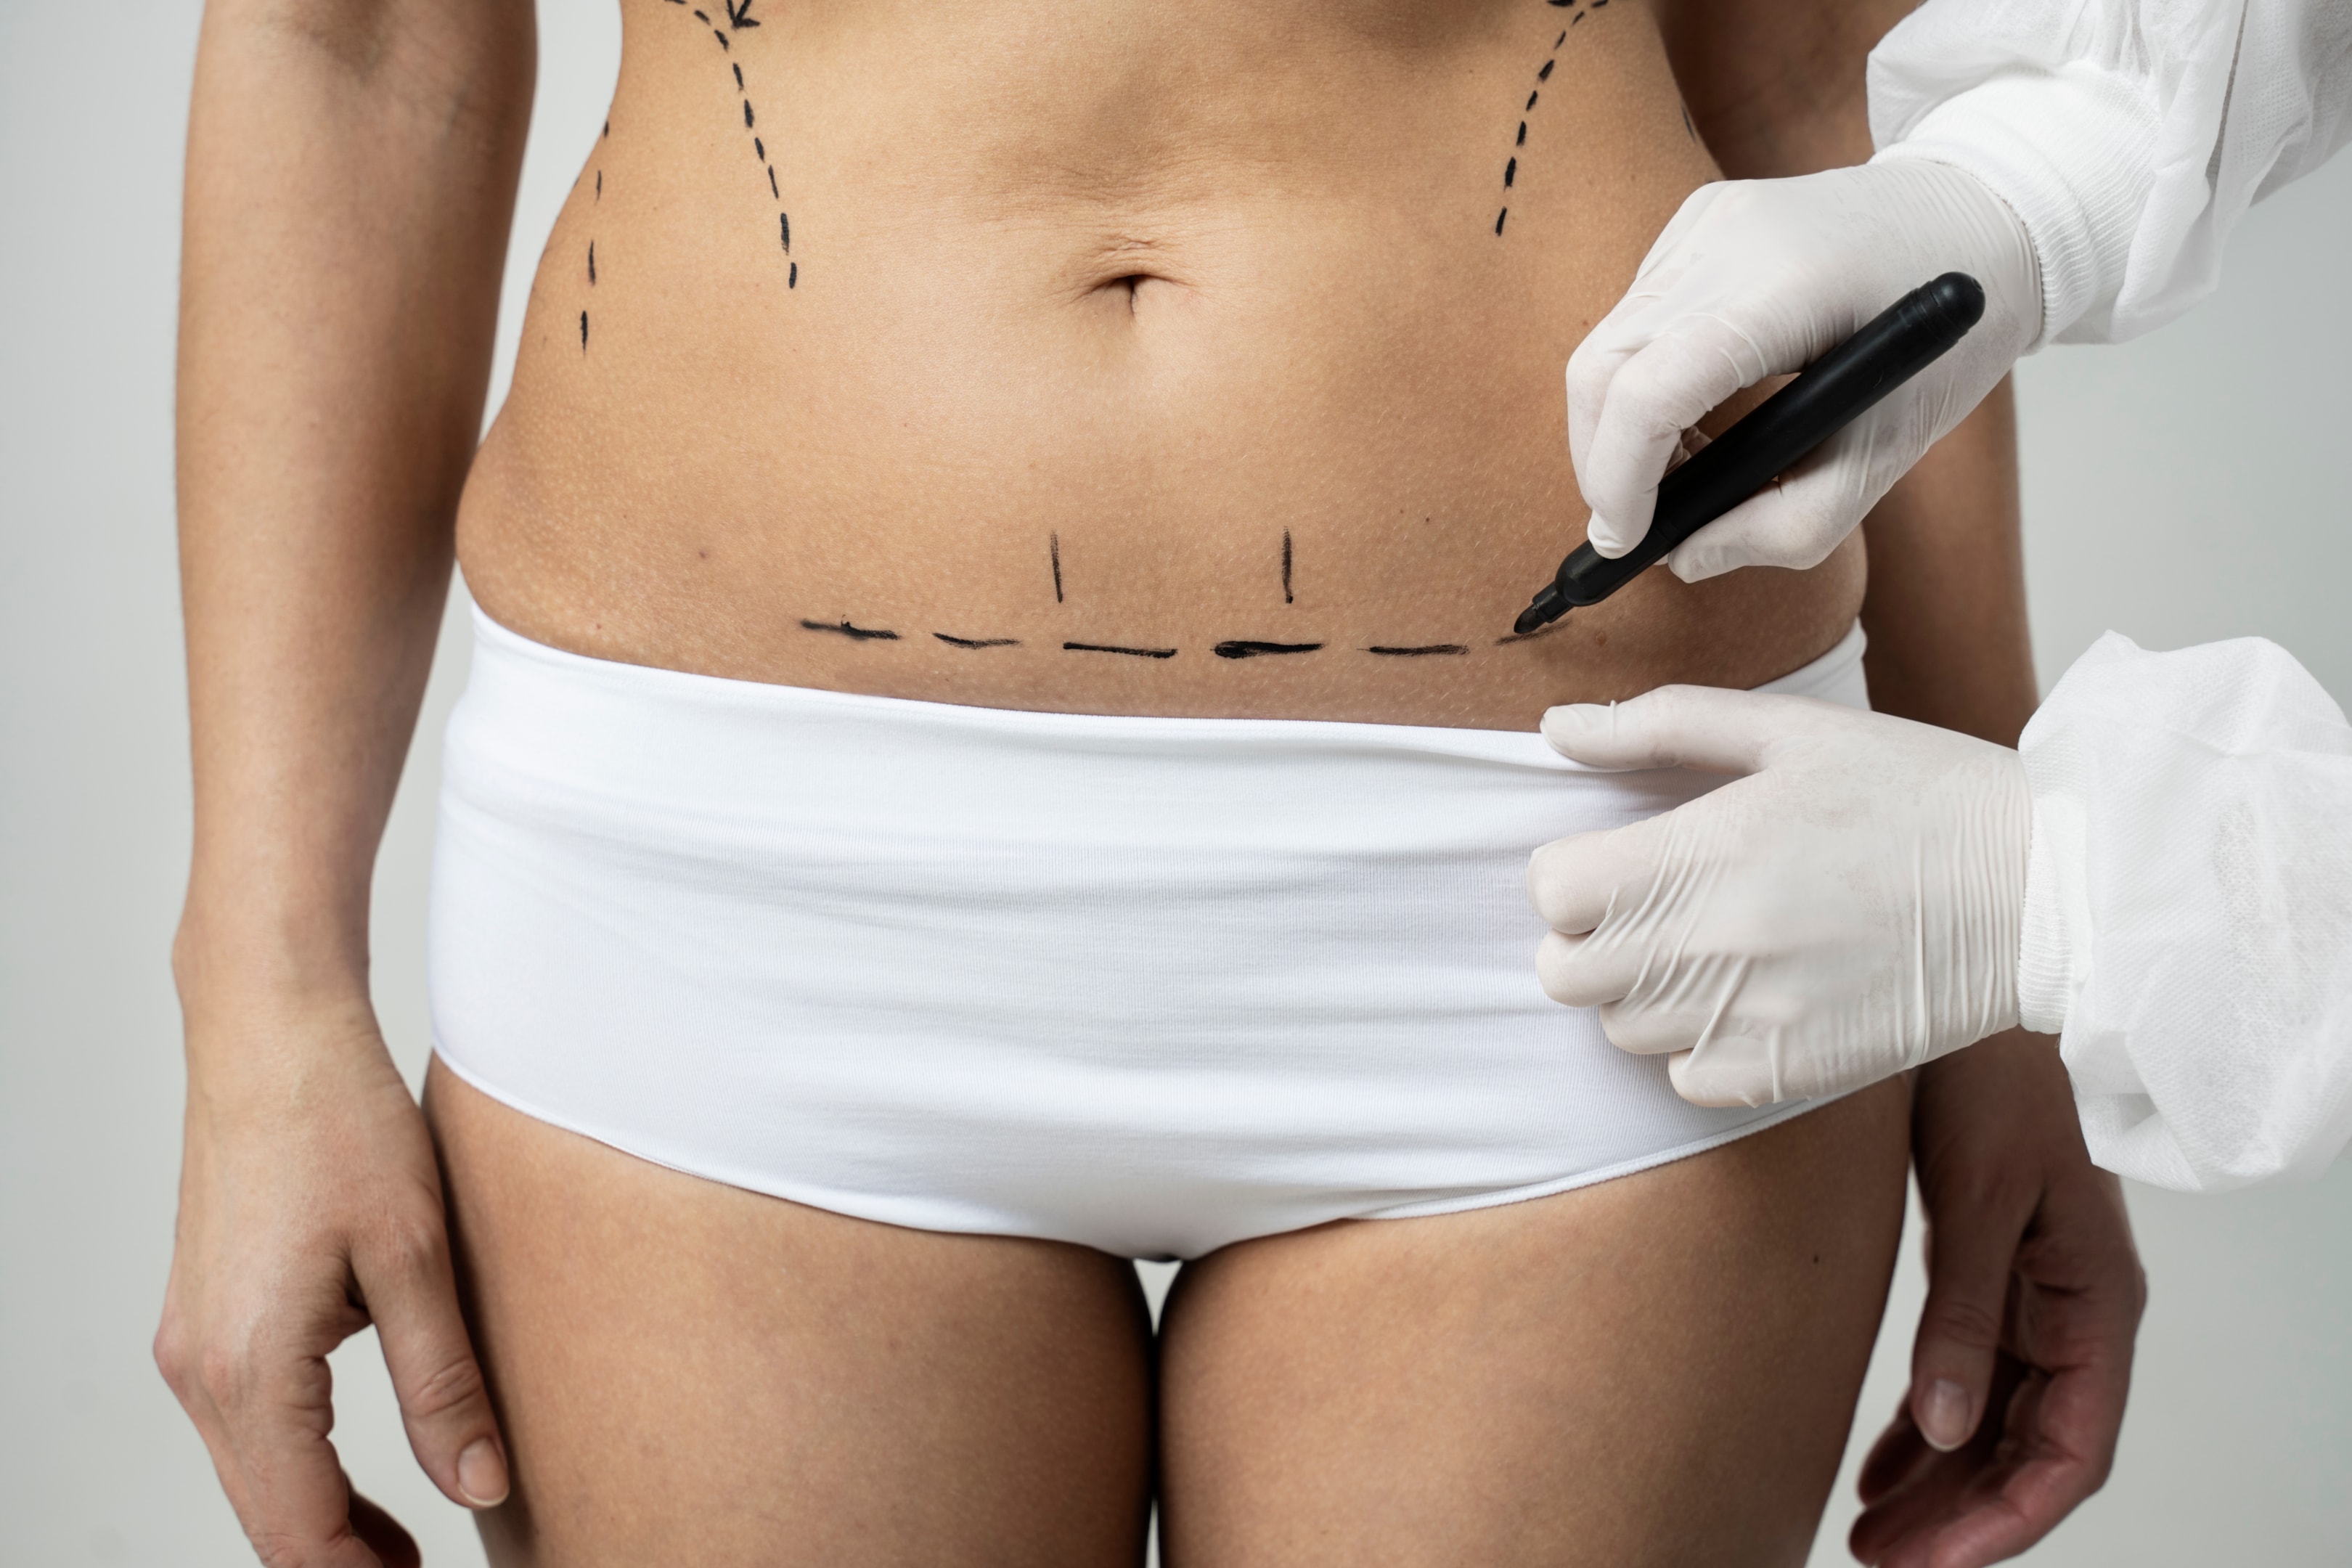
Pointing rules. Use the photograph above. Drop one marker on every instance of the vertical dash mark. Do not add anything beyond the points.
(1531, 101)
(1499, 217)
(794, 281)
(747, 114)
(758, 146)
(1510, 172)
(739, 74)
(784, 228)
(1544, 74)
(592, 264)
(1053, 550)
(771, 184)
(1523, 135)
(1286, 567)
(1561, 40)
(583, 331)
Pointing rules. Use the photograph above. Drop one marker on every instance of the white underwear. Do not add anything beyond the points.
(1149, 985)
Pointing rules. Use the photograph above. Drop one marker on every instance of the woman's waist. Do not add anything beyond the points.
(1197, 612)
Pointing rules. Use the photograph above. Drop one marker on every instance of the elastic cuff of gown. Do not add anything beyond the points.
(2081, 207)
(2045, 958)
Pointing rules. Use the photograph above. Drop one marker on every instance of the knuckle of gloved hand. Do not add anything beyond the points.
(1557, 970)
(1642, 1029)
(1551, 873)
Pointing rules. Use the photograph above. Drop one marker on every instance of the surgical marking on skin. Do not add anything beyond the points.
(1421, 652)
(1054, 552)
(600, 185)
(854, 634)
(1243, 648)
(1543, 74)
(1689, 128)
(977, 642)
(583, 331)
(1107, 647)
(738, 16)
(1286, 567)
(592, 264)
(1531, 637)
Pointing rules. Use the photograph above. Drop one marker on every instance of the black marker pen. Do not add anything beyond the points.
(1834, 390)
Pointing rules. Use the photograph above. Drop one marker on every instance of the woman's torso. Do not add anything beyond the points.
(1190, 326)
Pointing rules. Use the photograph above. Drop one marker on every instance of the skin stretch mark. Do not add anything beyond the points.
(738, 18)
(1577, 9)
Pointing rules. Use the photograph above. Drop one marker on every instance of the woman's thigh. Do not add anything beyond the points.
(689, 1372)
(1655, 1370)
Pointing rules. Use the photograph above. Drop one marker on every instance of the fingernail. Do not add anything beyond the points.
(482, 1474)
(1943, 1415)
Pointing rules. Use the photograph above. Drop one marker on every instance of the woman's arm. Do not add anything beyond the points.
(350, 182)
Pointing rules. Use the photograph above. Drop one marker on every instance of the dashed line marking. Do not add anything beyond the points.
(853, 633)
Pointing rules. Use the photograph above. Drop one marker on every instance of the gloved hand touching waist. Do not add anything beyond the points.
(1759, 278)
(1849, 908)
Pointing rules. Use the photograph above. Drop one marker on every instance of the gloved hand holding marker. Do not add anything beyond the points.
(1756, 279)
(1842, 386)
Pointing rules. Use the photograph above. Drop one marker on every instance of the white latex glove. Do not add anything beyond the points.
(1759, 277)
(1848, 910)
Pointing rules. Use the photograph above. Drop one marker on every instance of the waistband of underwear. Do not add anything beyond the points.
(1835, 676)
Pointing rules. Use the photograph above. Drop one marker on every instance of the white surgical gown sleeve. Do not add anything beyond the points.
(2130, 136)
(2188, 927)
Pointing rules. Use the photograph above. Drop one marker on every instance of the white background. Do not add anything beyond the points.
(2189, 486)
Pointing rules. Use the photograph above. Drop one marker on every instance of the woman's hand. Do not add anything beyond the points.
(310, 1207)
(2034, 1292)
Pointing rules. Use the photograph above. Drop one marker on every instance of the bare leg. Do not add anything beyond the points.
(688, 1373)
(1655, 1370)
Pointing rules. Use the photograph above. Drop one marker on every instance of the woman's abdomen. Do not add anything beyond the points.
(1206, 363)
